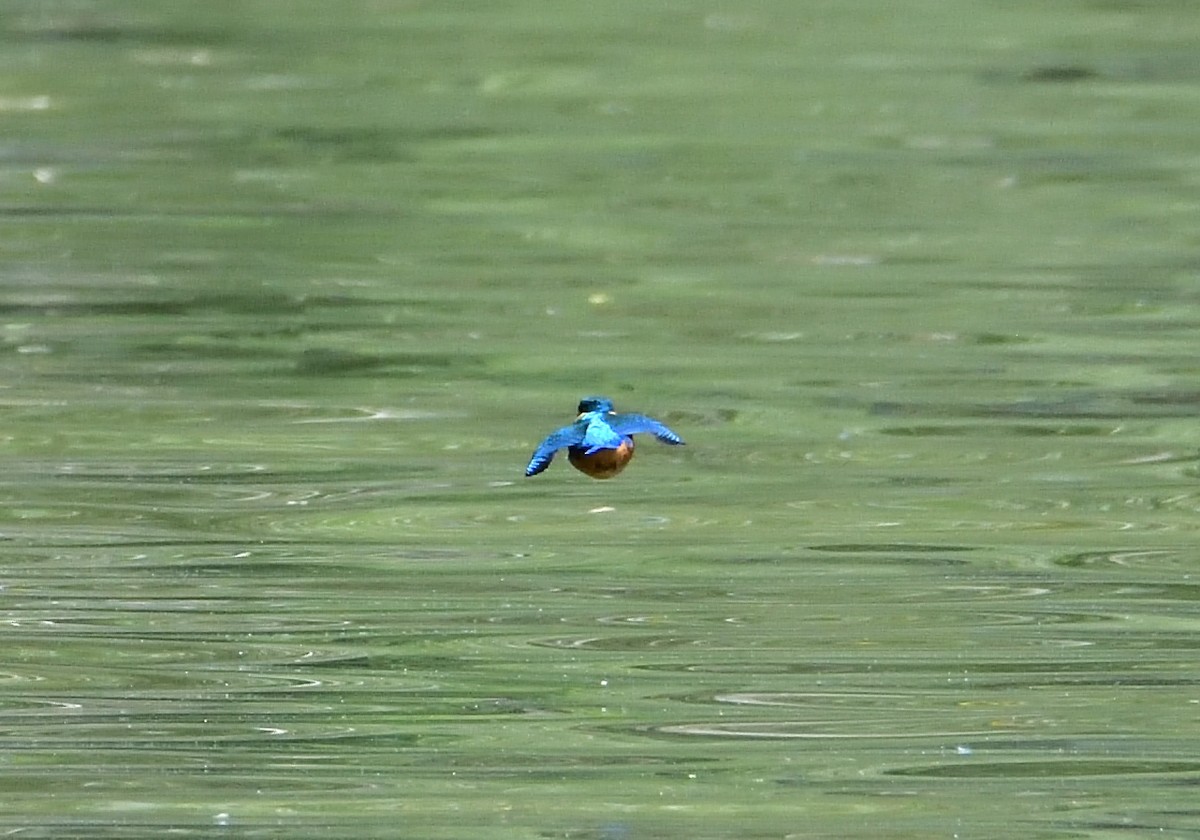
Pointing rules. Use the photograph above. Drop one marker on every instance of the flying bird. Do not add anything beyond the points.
(600, 441)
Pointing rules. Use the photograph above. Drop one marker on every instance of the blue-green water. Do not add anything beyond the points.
(289, 293)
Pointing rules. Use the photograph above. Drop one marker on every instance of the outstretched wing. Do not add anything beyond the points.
(544, 454)
(636, 424)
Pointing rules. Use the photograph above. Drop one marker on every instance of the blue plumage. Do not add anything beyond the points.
(600, 441)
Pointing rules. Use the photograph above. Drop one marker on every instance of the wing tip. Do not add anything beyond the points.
(537, 465)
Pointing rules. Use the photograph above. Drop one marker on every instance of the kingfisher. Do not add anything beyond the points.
(600, 441)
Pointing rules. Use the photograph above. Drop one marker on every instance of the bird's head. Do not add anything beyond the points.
(591, 404)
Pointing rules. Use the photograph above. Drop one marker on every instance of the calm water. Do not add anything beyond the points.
(289, 294)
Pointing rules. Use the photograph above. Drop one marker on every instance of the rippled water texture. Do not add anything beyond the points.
(290, 291)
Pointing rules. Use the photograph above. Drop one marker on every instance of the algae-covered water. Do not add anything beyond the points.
(290, 291)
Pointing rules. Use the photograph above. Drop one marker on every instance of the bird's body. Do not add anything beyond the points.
(600, 441)
(603, 463)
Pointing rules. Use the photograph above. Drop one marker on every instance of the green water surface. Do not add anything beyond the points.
(289, 291)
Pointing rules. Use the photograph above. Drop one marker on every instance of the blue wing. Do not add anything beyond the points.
(636, 424)
(544, 454)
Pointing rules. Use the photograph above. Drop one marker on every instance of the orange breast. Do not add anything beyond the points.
(603, 464)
